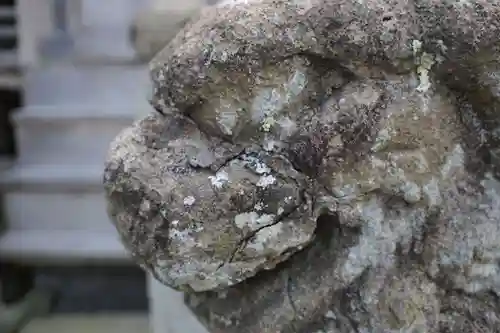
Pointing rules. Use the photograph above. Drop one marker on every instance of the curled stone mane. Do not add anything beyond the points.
(322, 166)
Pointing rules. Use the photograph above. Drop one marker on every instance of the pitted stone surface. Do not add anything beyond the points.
(199, 228)
(322, 166)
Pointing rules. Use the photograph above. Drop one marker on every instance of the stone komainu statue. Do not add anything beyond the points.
(322, 166)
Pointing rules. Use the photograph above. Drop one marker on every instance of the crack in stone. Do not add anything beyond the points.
(231, 159)
(244, 241)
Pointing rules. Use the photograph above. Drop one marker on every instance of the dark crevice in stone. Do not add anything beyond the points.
(475, 139)
(477, 107)
(230, 159)
(244, 241)
(289, 294)
(285, 283)
(327, 225)
(307, 151)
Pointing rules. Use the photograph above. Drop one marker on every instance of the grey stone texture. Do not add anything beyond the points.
(322, 166)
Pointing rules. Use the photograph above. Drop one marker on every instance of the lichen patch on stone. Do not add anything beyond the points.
(253, 220)
(219, 179)
(265, 181)
(189, 200)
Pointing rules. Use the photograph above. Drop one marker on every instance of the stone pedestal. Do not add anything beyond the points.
(168, 313)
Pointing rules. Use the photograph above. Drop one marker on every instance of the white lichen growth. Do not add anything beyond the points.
(431, 192)
(189, 200)
(416, 46)
(219, 179)
(265, 181)
(182, 236)
(253, 220)
(261, 168)
(382, 140)
(442, 46)
(269, 145)
(330, 315)
(227, 118)
(287, 127)
(258, 166)
(412, 193)
(265, 236)
(455, 161)
(145, 205)
(424, 62)
(267, 124)
(259, 206)
(423, 70)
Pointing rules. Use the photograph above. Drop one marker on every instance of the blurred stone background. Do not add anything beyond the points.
(73, 73)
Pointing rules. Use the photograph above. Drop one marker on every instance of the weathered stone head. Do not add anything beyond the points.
(322, 166)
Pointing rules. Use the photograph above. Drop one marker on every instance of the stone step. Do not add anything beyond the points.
(104, 43)
(100, 87)
(57, 213)
(8, 31)
(91, 47)
(7, 12)
(55, 197)
(10, 80)
(8, 59)
(69, 135)
(47, 178)
(95, 323)
(42, 247)
(5, 163)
